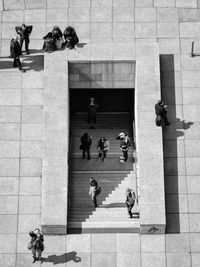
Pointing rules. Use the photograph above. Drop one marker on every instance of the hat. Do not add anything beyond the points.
(122, 134)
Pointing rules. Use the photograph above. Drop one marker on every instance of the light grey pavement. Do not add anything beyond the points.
(174, 24)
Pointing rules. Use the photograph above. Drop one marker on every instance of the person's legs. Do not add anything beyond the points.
(125, 155)
(104, 155)
(21, 40)
(18, 62)
(83, 155)
(100, 155)
(165, 120)
(129, 207)
(14, 63)
(26, 46)
(38, 254)
(33, 251)
(94, 199)
(88, 153)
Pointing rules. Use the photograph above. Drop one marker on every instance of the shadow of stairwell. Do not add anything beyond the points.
(172, 142)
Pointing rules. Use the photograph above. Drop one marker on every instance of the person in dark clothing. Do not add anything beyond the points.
(103, 146)
(86, 142)
(15, 52)
(161, 113)
(92, 110)
(130, 201)
(125, 144)
(70, 36)
(24, 32)
(51, 39)
(94, 191)
(36, 244)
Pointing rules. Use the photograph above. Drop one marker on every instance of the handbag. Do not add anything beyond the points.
(81, 147)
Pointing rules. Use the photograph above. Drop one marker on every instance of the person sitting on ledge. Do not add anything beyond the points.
(70, 36)
(53, 40)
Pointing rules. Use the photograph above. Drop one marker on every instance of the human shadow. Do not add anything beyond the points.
(33, 62)
(81, 45)
(66, 257)
(172, 141)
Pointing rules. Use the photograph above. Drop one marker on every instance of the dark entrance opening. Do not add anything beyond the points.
(109, 100)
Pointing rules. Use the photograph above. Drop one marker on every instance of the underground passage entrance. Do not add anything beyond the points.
(115, 114)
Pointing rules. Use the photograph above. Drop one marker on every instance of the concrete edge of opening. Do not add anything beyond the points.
(150, 168)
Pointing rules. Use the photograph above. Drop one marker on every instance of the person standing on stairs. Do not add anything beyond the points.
(86, 142)
(125, 144)
(103, 146)
(130, 201)
(94, 190)
(92, 110)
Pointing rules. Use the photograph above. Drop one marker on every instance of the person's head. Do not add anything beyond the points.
(128, 190)
(37, 231)
(92, 99)
(122, 135)
(160, 102)
(86, 135)
(23, 26)
(55, 29)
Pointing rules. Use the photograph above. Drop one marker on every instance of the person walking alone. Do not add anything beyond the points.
(36, 245)
(94, 190)
(86, 142)
(130, 201)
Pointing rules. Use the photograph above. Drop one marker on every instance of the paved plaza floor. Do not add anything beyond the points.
(107, 29)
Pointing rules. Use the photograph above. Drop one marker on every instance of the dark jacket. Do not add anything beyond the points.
(103, 144)
(125, 143)
(37, 242)
(86, 141)
(130, 199)
(24, 33)
(70, 35)
(160, 110)
(94, 183)
(15, 48)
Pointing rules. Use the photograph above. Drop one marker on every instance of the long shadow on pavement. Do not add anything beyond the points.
(172, 141)
(66, 257)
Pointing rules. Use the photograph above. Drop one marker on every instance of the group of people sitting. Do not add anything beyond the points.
(52, 41)
(56, 39)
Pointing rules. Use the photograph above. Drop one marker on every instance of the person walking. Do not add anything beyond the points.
(94, 190)
(36, 245)
(103, 146)
(24, 33)
(161, 113)
(92, 109)
(15, 52)
(130, 201)
(125, 144)
(70, 36)
(86, 141)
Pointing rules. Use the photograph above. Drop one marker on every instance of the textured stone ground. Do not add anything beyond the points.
(174, 24)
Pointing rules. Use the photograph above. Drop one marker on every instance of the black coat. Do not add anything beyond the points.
(37, 242)
(24, 33)
(15, 48)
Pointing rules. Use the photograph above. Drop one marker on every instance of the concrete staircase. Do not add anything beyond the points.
(113, 177)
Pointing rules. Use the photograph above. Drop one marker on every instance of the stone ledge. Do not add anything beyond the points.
(149, 141)
(55, 174)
